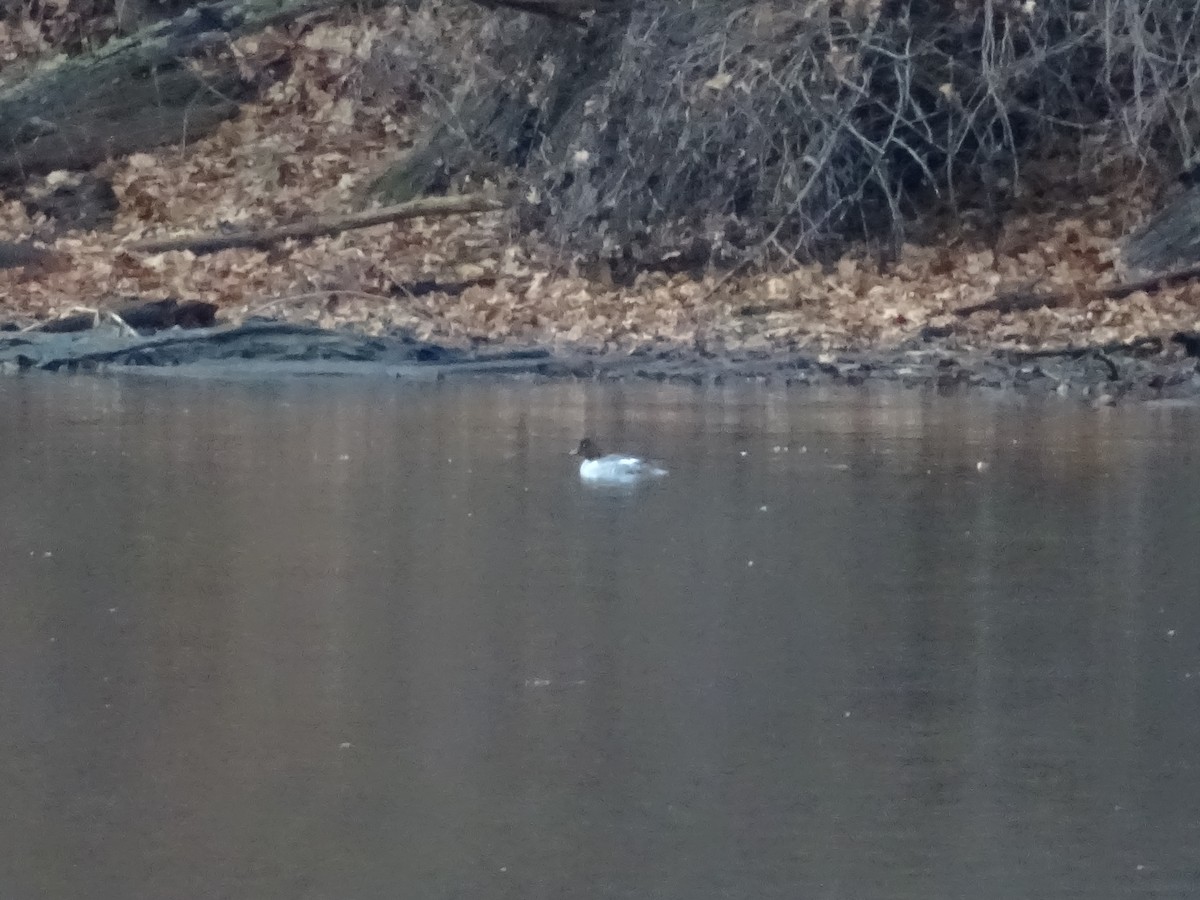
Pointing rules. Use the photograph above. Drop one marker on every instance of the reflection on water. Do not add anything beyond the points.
(318, 640)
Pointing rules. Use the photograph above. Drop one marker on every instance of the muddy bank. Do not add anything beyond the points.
(1141, 370)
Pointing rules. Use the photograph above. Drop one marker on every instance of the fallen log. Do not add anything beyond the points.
(133, 93)
(1026, 299)
(262, 344)
(1168, 239)
(562, 10)
(27, 256)
(266, 237)
(145, 316)
(1152, 282)
(1013, 301)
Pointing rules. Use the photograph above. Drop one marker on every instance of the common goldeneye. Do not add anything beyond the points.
(612, 467)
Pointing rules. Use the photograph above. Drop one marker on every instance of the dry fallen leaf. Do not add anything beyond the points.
(311, 139)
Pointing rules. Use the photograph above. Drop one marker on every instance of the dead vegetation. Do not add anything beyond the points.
(857, 228)
(675, 135)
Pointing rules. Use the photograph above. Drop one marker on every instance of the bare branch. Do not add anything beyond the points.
(265, 237)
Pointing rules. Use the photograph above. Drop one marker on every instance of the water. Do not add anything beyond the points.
(349, 640)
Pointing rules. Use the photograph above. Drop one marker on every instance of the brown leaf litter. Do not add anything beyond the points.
(316, 138)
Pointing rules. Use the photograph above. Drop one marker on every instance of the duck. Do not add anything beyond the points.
(620, 468)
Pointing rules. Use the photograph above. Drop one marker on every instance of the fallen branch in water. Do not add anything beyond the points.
(265, 237)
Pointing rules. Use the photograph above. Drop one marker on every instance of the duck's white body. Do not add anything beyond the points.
(616, 467)
(613, 468)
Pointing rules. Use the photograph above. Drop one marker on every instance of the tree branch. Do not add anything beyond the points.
(265, 237)
(1026, 299)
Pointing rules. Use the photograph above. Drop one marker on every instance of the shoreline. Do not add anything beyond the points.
(1143, 370)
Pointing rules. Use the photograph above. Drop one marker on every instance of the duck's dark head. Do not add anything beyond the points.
(587, 449)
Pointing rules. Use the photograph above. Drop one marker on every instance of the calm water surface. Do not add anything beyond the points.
(344, 640)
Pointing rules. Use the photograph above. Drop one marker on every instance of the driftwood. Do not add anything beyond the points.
(266, 237)
(267, 347)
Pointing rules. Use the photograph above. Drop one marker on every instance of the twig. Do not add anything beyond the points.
(1113, 372)
(264, 237)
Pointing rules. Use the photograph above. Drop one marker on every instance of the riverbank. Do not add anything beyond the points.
(472, 283)
(1139, 371)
